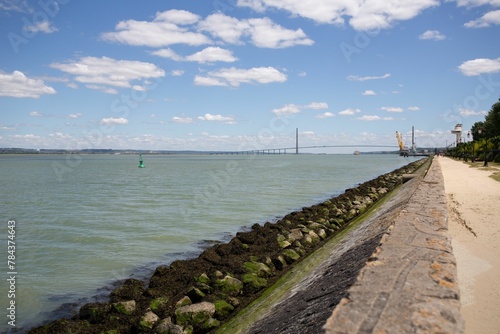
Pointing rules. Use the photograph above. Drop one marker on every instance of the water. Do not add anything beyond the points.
(83, 222)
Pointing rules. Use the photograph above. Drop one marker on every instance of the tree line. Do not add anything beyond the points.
(485, 142)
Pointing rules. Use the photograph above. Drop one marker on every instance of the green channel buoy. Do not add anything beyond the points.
(141, 163)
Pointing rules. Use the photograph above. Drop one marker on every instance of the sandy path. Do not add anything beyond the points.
(474, 224)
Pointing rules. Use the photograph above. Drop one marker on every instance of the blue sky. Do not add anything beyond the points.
(244, 74)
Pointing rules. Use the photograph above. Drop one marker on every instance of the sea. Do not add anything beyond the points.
(84, 222)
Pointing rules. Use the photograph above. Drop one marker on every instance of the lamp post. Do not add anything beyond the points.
(480, 130)
(472, 143)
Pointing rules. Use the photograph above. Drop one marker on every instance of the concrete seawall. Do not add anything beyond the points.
(410, 283)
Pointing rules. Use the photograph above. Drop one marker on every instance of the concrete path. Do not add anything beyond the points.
(410, 283)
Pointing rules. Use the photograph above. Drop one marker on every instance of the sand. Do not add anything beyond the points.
(474, 224)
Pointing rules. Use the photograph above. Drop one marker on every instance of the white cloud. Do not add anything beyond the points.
(362, 15)
(358, 78)
(369, 92)
(262, 32)
(467, 112)
(167, 28)
(74, 116)
(177, 73)
(414, 108)
(167, 53)
(182, 120)
(480, 66)
(370, 118)
(20, 6)
(19, 85)
(44, 26)
(317, 105)
(392, 109)
(487, 20)
(325, 115)
(217, 118)
(99, 73)
(212, 55)
(349, 112)
(287, 109)
(234, 76)
(432, 35)
(302, 74)
(112, 120)
(36, 114)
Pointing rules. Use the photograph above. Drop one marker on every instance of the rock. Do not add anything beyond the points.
(230, 285)
(223, 309)
(158, 303)
(195, 314)
(258, 268)
(295, 234)
(195, 294)
(95, 312)
(279, 262)
(290, 255)
(282, 242)
(166, 326)
(131, 289)
(322, 234)
(127, 307)
(184, 301)
(148, 320)
(254, 283)
(315, 237)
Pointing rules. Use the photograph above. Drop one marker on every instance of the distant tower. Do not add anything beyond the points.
(458, 133)
(296, 140)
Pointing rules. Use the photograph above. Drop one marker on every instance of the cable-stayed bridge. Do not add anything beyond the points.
(295, 149)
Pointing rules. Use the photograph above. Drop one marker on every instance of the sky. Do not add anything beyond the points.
(244, 74)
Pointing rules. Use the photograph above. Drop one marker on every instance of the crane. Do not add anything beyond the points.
(403, 150)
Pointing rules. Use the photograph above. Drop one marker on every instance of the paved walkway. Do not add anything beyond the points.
(410, 284)
(474, 224)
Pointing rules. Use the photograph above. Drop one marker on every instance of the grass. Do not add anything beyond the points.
(492, 167)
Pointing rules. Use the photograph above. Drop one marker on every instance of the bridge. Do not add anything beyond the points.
(295, 149)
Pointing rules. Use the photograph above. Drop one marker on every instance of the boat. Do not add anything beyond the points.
(357, 153)
(141, 163)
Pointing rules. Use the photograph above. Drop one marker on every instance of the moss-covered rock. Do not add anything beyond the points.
(253, 283)
(195, 294)
(184, 301)
(148, 321)
(290, 255)
(196, 314)
(126, 307)
(223, 309)
(258, 268)
(229, 285)
(94, 312)
(158, 303)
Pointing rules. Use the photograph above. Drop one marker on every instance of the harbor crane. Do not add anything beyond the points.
(403, 150)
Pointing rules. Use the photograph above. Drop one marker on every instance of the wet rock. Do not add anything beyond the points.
(158, 303)
(94, 312)
(223, 309)
(184, 301)
(130, 289)
(253, 283)
(230, 285)
(258, 268)
(290, 256)
(165, 326)
(197, 315)
(127, 307)
(148, 320)
(195, 294)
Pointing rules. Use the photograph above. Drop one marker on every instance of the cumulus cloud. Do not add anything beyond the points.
(235, 76)
(262, 32)
(114, 121)
(167, 28)
(17, 84)
(414, 108)
(208, 55)
(36, 114)
(349, 112)
(432, 35)
(467, 112)
(480, 66)
(358, 78)
(44, 26)
(100, 73)
(392, 109)
(287, 109)
(487, 20)
(361, 15)
(325, 115)
(177, 73)
(217, 118)
(369, 92)
(74, 116)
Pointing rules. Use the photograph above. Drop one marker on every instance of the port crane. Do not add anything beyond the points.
(403, 150)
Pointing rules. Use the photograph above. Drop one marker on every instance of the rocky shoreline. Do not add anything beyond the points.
(199, 295)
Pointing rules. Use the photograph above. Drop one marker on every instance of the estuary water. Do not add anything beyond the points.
(83, 222)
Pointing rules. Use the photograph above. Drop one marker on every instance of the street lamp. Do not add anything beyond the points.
(480, 130)
(472, 142)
